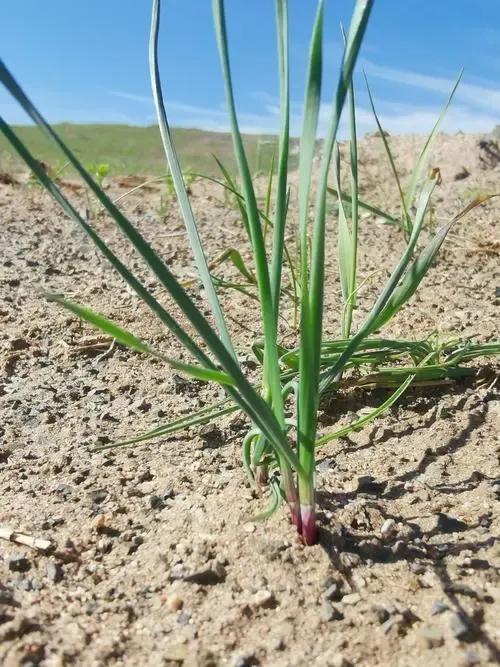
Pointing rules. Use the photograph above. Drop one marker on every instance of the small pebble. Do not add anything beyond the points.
(330, 613)
(439, 607)
(334, 592)
(18, 563)
(174, 602)
(98, 496)
(183, 618)
(208, 577)
(155, 502)
(55, 572)
(388, 527)
(470, 658)
(351, 599)
(244, 660)
(431, 636)
(264, 599)
(381, 613)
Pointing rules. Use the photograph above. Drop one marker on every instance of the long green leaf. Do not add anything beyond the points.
(418, 269)
(309, 394)
(269, 323)
(312, 104)
(370, 323)
(407, 222)
(422, 162)
(179, 185)
(281, 211)
(345, 244)
(367, 207)
(350, 303)
(359, 423)
(306, 396)
(208, 414)
(128, 339)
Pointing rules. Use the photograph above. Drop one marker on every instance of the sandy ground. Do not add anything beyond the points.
(154, 561)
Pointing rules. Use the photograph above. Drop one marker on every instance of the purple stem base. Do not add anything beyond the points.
(308, 529)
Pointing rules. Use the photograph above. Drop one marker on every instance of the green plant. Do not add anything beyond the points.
(281, 443)
(99, 172)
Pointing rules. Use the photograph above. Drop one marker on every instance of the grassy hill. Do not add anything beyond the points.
(136, 150)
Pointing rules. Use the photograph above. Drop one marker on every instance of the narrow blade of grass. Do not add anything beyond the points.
(423, 158)
(313, 316)
(366, 419)
(345, 247)
(203, 416)
(281, 207)
(407, 222)
(367, 207)
(179, 185)
(370, 322)
(269, 323)
(128, 339)
(418, 269)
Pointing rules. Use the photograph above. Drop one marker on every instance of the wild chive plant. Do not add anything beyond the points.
(280, 445)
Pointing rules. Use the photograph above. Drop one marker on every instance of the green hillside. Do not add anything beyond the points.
(136, 150)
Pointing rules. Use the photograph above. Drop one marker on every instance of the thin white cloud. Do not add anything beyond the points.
(475, 96)
(406, 119)
(131, 96)
(396, 117)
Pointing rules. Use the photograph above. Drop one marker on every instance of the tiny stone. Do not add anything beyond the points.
(351, 599)
(390, 623)
(381, 613)
(18, 563)
(431, 636)
(338, 661)
(478, 564)
(174, 602)
(244, 660)
(470, 658)
(448, 524)
(24, 584)
(264, 599)
(211, 435)
(279, 644)
(417, 568)
(388, 527)
(368, 484)
(155, 502)
(439, 607)
(208, 577)
(183, 618)
(91, 608)
(334, 592)
(350, 560)
(54, 572)
(330, 613)
(98, 496)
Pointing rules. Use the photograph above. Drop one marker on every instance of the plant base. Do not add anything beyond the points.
(308, 529)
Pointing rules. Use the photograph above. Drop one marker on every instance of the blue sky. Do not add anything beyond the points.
(87, 61)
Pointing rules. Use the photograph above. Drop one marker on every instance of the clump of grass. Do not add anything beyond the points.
(280, 446)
